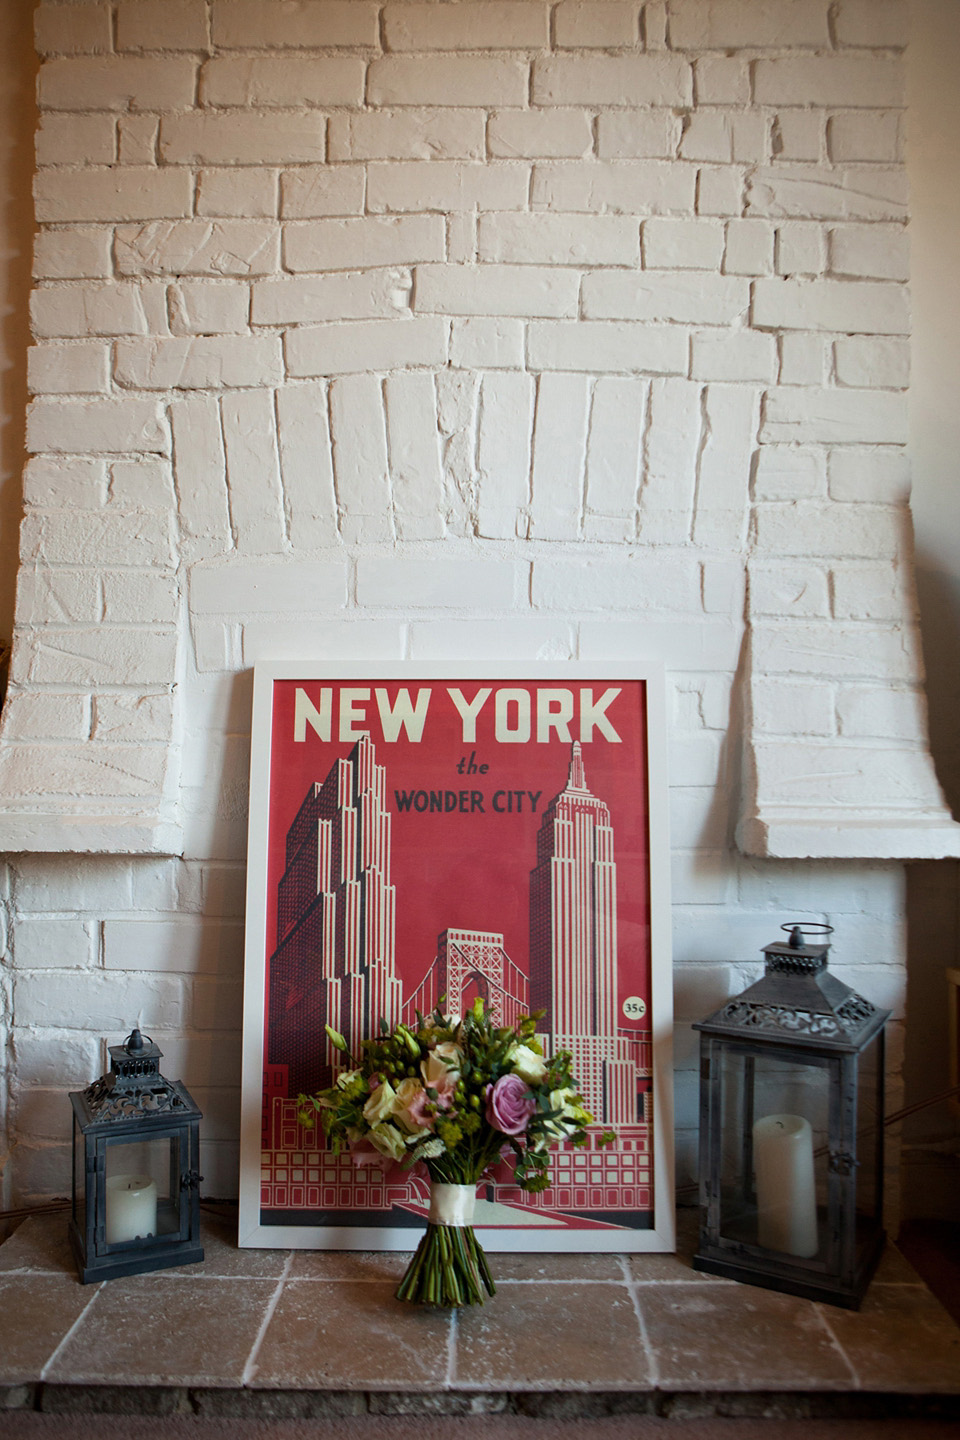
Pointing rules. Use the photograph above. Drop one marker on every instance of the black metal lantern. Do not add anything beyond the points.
(791, 1130)
(136, 1161)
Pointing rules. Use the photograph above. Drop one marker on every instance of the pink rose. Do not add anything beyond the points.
(510, 1105)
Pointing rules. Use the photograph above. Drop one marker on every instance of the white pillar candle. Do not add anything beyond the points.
(786, 1189)
(131, 1208)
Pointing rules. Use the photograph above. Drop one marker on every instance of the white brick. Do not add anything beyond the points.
(622, 187)
(839, 776)
(61, 1058)
(92, 425)
(559, 239)
(721, 80)
(632, 80)
(64, 885)
(808, 192)
(873, 361)
(128, 193)
(785, 707)
(873, 23)
(827, 529)
(340, 639)
(485, 344)
(551, 134)
(360, 458)
(749, 248)
(46, 595)
(788, 590)
(655, 24)
(141, 485)
(638, 134)
(879, 474)
(870, 591)
(881, 712)
(244, 194)
(664, 295)
(871, 81)
(865, 135)
(312, 192)
(731, 25)
(117, 83)
(206, 362)
(282, 82)
(461, 80)
(655, 581)
(835, 650)
(362, 243)
(801, 248)
(672, 447)
(482, 25)
(306, 465)
(457, 395)
(730, 426)
(504, 430)
(103, 1003)
(75, 484)
(366, 296)
(724, 586)
(199, 247)
(607, 347)
(215, 647)
(497, 290)
(242, 138)
(596, 24)
(143, 596)
(614, 454)
(72, 254)
(181, 946)
(76, 140)
(877, 251)
(559, 444)
(46, 717)
(262, 24)
(733, 355)
(414, 453)
(53, 944)
(109, 539)
(446, 185)
(108, 656)
(834, 417)
(798, 135)
(209, 307)
(137, 139)
(109, 309)
(162, 25)
(708, 135)
(786, 473)
(72, 29)
(868, 307)
(253, 471)
(351, 348)
(682, 244)
(720, 190)
(201, 471)
(83, 368)
(406, 134)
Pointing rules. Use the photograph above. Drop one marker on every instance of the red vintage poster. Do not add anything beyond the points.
(417, 841)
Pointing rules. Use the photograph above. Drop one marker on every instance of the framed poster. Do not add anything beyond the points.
(418, 838)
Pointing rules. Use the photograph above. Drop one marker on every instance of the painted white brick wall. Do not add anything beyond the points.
(409, 331)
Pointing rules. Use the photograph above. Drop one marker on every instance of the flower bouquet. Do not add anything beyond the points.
(457, 1095)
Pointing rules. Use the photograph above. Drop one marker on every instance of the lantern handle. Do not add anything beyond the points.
(797, 931)
(134, 1042)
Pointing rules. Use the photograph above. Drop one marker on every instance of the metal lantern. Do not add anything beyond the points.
(136, 1160)
(791, 1129)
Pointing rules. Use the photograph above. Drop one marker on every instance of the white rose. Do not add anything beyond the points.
(380, 1104)
(528, 1064)
(388, 1140)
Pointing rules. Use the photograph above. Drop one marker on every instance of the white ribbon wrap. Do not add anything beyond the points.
(451, 1204)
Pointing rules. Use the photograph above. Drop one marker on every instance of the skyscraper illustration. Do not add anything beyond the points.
(336, 918)
(573, 947)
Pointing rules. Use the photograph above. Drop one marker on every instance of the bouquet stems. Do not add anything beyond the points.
(449, 1268)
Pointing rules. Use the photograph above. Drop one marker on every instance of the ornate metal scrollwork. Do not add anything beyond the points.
(107, 1103)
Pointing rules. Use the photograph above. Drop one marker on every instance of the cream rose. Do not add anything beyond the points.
(380, 1104)
(528, 1064)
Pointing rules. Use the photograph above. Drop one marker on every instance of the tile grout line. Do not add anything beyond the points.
(652, 1360)
(450, 1379)
(821, 1316)
(44, 1369)
(250, 1369)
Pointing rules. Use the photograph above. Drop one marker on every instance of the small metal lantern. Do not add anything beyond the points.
(136, 1160)
(791, 1130)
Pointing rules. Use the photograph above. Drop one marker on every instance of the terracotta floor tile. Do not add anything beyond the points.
(40, 1243)
(895, 1269)
(738, 1337)
(535, 1336)
(900, 1338)
(555, 1267)
(222, 1255)
(385, 1265)
(166, 1329)
(37, 1311)
(347, 1335)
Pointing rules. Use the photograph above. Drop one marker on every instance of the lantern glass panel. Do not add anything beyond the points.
(142, 1189)
(774, 1126)
(869, 1135)
(79, 1177)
